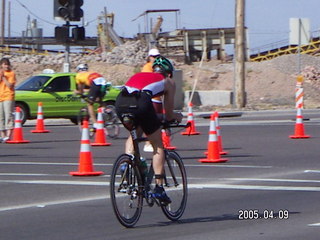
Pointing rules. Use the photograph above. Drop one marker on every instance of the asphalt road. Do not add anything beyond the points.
(268, 188)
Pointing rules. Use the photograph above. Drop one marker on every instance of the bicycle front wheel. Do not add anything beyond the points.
(126, 191)
(175, 184)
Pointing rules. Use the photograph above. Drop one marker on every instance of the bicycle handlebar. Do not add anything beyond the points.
(175, 124)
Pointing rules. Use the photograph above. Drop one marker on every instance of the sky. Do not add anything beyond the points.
(267, 20)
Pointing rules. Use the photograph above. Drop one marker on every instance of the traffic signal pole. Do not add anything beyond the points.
(66, 65)
(68, 10)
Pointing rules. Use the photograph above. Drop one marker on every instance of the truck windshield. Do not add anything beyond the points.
(33, 83)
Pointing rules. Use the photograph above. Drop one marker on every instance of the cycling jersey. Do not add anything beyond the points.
(96, 83)
(136, 99)
(87, 78)
(146, 81)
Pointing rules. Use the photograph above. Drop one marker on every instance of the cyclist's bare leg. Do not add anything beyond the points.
(92, 113)
(158, 154)
(129, 146)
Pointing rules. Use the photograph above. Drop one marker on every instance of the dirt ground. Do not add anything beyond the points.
(269, 84)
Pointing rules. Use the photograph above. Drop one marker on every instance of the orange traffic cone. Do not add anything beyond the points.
(85, 158)
(192, 129)
(40, 123)
(221, 152)
(100, 139)
(17, 131)
(219, 134)
(213, 145)
(299, 127)
(166, 140)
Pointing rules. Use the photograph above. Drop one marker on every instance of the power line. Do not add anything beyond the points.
(33, 14)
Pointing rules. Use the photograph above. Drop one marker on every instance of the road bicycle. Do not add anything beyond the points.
(130, 183)
(111, 122)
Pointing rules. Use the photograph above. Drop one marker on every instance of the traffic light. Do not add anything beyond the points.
(61, 34)
(68, 10)
(76, 13)
(78, 33)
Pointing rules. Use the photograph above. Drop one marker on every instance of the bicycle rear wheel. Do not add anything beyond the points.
(126, 191)
(175, 185)
(84, 115)
(111, 121)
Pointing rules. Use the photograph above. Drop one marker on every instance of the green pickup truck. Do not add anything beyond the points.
(56, 92)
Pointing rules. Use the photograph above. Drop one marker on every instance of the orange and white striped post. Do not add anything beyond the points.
(299, 92)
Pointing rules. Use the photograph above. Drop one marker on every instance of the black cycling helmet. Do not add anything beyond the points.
(162, 65)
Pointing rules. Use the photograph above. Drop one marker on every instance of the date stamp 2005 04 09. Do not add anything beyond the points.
(252, 214)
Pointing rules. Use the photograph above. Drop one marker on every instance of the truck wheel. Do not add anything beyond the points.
(74, 121)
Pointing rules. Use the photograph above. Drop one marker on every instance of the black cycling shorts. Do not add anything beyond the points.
(95, 93)
(138, 104)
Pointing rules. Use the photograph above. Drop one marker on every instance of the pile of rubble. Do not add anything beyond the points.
(310, 73)
(131, 53)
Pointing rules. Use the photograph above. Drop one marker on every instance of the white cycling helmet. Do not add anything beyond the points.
(82, 67)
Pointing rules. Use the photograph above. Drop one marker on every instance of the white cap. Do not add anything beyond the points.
(154, 52)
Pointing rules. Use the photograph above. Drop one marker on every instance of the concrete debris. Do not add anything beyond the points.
(131, 53)
(310, 73)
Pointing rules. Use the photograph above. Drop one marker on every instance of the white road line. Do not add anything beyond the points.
(57, 182)
(312, 171)
(50, 203)
(99, 197)
(110, 164)
(193, 185)
(314, 225)
(272, 180)
(226, 166)
(37, 163)
(253, 187)
(28, 174)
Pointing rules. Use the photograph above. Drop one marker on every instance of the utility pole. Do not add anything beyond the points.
(239, 96)
(2, 21)
(9, 19)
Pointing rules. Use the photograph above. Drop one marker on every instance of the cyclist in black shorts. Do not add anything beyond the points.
(97, 85)
(135, 98)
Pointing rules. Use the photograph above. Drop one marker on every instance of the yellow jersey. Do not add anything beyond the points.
(86, 78)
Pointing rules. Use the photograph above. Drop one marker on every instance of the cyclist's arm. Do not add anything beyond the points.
(169, 92)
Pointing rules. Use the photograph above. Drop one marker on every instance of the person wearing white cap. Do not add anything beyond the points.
(156, 101)
(153, 53)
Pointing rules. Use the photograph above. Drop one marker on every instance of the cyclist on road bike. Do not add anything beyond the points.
(95, 82)
(135, 98)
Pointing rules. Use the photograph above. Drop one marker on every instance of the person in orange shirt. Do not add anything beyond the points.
(7, 84)
(97, 85)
